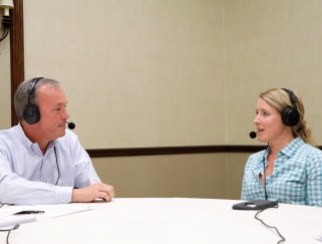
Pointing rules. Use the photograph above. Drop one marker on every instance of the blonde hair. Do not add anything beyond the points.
(280, 99)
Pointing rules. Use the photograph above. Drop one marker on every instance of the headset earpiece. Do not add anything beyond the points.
(290, 115)
(31, 114)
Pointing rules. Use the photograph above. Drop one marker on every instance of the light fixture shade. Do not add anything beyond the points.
(6, 3)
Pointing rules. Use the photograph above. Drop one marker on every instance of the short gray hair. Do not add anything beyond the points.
(21, 98)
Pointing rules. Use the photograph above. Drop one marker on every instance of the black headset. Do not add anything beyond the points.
(31, 114)
(290, 115)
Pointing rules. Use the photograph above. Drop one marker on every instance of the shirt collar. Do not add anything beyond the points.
(292, 147)
(31, 147)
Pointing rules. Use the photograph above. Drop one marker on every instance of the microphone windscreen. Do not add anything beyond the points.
(71, 125)
(252, 134)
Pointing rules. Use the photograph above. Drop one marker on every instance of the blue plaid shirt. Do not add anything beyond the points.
(296, 179)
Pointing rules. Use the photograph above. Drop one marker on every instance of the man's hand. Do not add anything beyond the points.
(90, 193)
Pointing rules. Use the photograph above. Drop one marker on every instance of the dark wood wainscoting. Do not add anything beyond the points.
(121, 152)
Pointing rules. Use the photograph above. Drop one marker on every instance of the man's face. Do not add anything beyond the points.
(53, 114)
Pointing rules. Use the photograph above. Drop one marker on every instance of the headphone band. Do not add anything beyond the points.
(291, 115)
(32, 85)
(292, 96)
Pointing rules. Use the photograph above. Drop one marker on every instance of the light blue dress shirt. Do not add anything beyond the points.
(296, 178)
(28, 177)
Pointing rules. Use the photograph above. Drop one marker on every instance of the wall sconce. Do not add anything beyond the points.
(6, 19)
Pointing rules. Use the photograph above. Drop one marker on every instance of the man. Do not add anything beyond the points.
(40, 161)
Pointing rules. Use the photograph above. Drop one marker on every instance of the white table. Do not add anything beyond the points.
(172, 220)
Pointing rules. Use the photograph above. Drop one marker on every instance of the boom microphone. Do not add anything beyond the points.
(71, 125)
(252, 134)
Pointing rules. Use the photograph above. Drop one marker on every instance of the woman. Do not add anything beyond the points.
(293, 166)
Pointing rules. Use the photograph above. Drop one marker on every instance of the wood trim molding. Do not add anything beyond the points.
(122, 152)
(16, 53)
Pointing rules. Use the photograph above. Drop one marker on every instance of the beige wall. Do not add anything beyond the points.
(271, 44)
(137, 73)
(171, 73)
(201, 175)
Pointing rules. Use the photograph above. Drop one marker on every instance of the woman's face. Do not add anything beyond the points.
(268, 120)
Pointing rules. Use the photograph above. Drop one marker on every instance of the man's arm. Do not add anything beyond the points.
(19, 191)
(88, 186)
